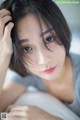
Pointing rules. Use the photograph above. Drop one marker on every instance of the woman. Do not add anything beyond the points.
(38, 49)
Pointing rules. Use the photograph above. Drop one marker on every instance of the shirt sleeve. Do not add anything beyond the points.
(78, 95)
(29, 80)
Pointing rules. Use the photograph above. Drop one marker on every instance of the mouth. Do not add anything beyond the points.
(50, 70)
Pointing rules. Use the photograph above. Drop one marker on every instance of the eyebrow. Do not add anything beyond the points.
(43, 33)
(48, 30)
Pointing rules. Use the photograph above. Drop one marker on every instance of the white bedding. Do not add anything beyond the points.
(47, 103)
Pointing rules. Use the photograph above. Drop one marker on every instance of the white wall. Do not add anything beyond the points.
(71, 13)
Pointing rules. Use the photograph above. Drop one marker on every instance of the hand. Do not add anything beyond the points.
(30, 113)
(5, 32)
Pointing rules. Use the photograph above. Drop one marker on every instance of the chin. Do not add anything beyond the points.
(48, 77)
(51, 76)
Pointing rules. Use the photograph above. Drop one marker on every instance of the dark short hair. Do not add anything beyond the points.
(48, 10)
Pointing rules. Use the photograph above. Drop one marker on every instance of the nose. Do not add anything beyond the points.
(43, 58)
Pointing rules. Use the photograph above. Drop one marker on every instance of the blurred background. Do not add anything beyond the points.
(72, 15)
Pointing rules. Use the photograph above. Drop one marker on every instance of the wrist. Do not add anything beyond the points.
(51, 117)
(5, 54)
(56, 118)
(5, 59)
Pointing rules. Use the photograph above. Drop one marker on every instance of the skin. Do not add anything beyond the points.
(5, 48)
(30, 113)
(41, 58)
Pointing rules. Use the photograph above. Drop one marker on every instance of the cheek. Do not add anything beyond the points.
(58, 58)
(31, 67)
(59, 53)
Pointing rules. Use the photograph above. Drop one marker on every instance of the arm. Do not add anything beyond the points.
(5, 44)
(30, 113)
(9, 94)
(4, 62)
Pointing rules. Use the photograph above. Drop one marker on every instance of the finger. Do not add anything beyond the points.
(4, 12)
(3, 21)
(7, 31)
(20, 108)
(9, 108)
(17, 113)
(15, 118)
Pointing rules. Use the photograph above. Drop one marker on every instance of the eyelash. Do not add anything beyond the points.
(48, 40)
(26, 49)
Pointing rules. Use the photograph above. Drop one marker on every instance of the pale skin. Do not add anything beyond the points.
(57, 83)
(4, 53)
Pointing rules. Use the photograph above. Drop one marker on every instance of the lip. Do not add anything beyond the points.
(50, 70)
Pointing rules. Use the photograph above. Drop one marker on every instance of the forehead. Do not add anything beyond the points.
(31, 23)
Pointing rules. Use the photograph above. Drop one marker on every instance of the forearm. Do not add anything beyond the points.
(51, 117)
(56, 118)
(4, 63)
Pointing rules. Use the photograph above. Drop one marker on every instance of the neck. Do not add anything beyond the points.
(63, 84)
(63, 74)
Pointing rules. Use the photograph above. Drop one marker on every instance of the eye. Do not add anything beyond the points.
(49, 39)
(26, 49)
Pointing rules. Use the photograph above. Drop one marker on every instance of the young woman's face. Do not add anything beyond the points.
(41, 61)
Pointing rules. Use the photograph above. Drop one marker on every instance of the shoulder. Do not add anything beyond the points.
(76, 68)
(75, 58)
(76, 72)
